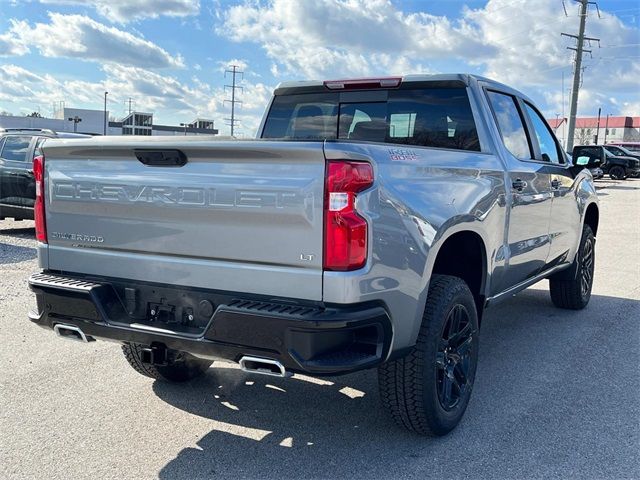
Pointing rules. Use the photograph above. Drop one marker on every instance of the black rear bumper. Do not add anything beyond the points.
(305, 337)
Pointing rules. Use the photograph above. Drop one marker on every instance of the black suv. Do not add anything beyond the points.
(617, 167)
(18, 146)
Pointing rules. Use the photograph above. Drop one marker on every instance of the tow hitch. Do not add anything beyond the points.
(155, 355)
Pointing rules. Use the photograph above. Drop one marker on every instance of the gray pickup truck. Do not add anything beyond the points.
(370, 225)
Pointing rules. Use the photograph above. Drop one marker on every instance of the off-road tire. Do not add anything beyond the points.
(617, 173)
(181, 367)
(409, 385)
(566, 287)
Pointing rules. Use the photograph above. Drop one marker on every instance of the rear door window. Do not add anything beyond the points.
(546, 141)
(15, 148)
(510, 124)
(430, 117)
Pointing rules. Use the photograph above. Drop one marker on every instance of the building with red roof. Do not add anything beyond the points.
(612, 129)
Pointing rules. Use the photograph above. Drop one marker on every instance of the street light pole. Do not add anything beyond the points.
(75, 121)
(105, 112)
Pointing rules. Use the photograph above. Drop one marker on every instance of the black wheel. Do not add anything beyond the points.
(180, 367)
(428, 390)
(571, 288)
(617, 173)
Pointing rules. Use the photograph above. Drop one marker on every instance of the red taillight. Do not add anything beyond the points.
(38, 210)
(345, 232)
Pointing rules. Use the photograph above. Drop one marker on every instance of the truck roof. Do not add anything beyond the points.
(465, 78)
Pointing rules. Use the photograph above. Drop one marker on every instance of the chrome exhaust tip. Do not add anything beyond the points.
(71, 332)
(263, 366)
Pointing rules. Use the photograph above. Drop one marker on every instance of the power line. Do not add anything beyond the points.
(232, 122)
(577, 68)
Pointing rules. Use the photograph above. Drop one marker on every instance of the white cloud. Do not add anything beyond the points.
(20, 84)
(123, 11)
(508, 40)
(171, 100)
(531, 50)
(78, 36)
(631, 109)
(10, 44)
(226, 64)
(512, 41)
(357, 37)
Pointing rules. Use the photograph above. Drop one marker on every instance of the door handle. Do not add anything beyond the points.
(519, 184)
(555, 183)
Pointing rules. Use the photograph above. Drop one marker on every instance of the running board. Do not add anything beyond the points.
(522, 285)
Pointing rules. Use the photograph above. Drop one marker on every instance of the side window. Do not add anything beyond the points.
(615, 151)
(510, 125)
(548, 145)
(15, 148)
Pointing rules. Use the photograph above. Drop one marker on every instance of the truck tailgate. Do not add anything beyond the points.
(238, 216)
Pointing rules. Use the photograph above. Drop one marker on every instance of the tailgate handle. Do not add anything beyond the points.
(161, 158)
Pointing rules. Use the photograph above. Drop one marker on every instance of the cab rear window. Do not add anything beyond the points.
(431, 117)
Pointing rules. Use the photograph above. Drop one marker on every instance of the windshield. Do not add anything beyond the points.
(431, 117)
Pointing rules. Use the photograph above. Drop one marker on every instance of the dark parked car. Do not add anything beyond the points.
(621, 151)
(617, 167)
(17, 186)
(631, 146)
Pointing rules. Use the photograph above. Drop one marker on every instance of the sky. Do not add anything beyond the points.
(170, 56)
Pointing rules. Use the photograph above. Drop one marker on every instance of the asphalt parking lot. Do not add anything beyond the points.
(557, 394)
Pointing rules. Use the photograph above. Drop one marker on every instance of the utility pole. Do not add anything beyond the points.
(234, 72)
(598, 125)
(577, 70)
(105, 113)
(563, 141)
(606, 129)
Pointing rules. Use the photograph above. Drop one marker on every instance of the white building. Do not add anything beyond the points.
(93, 122)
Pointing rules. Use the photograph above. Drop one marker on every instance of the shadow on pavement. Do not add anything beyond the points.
(14, 253)
(25, 232)
(622, 187)
(551, 397)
